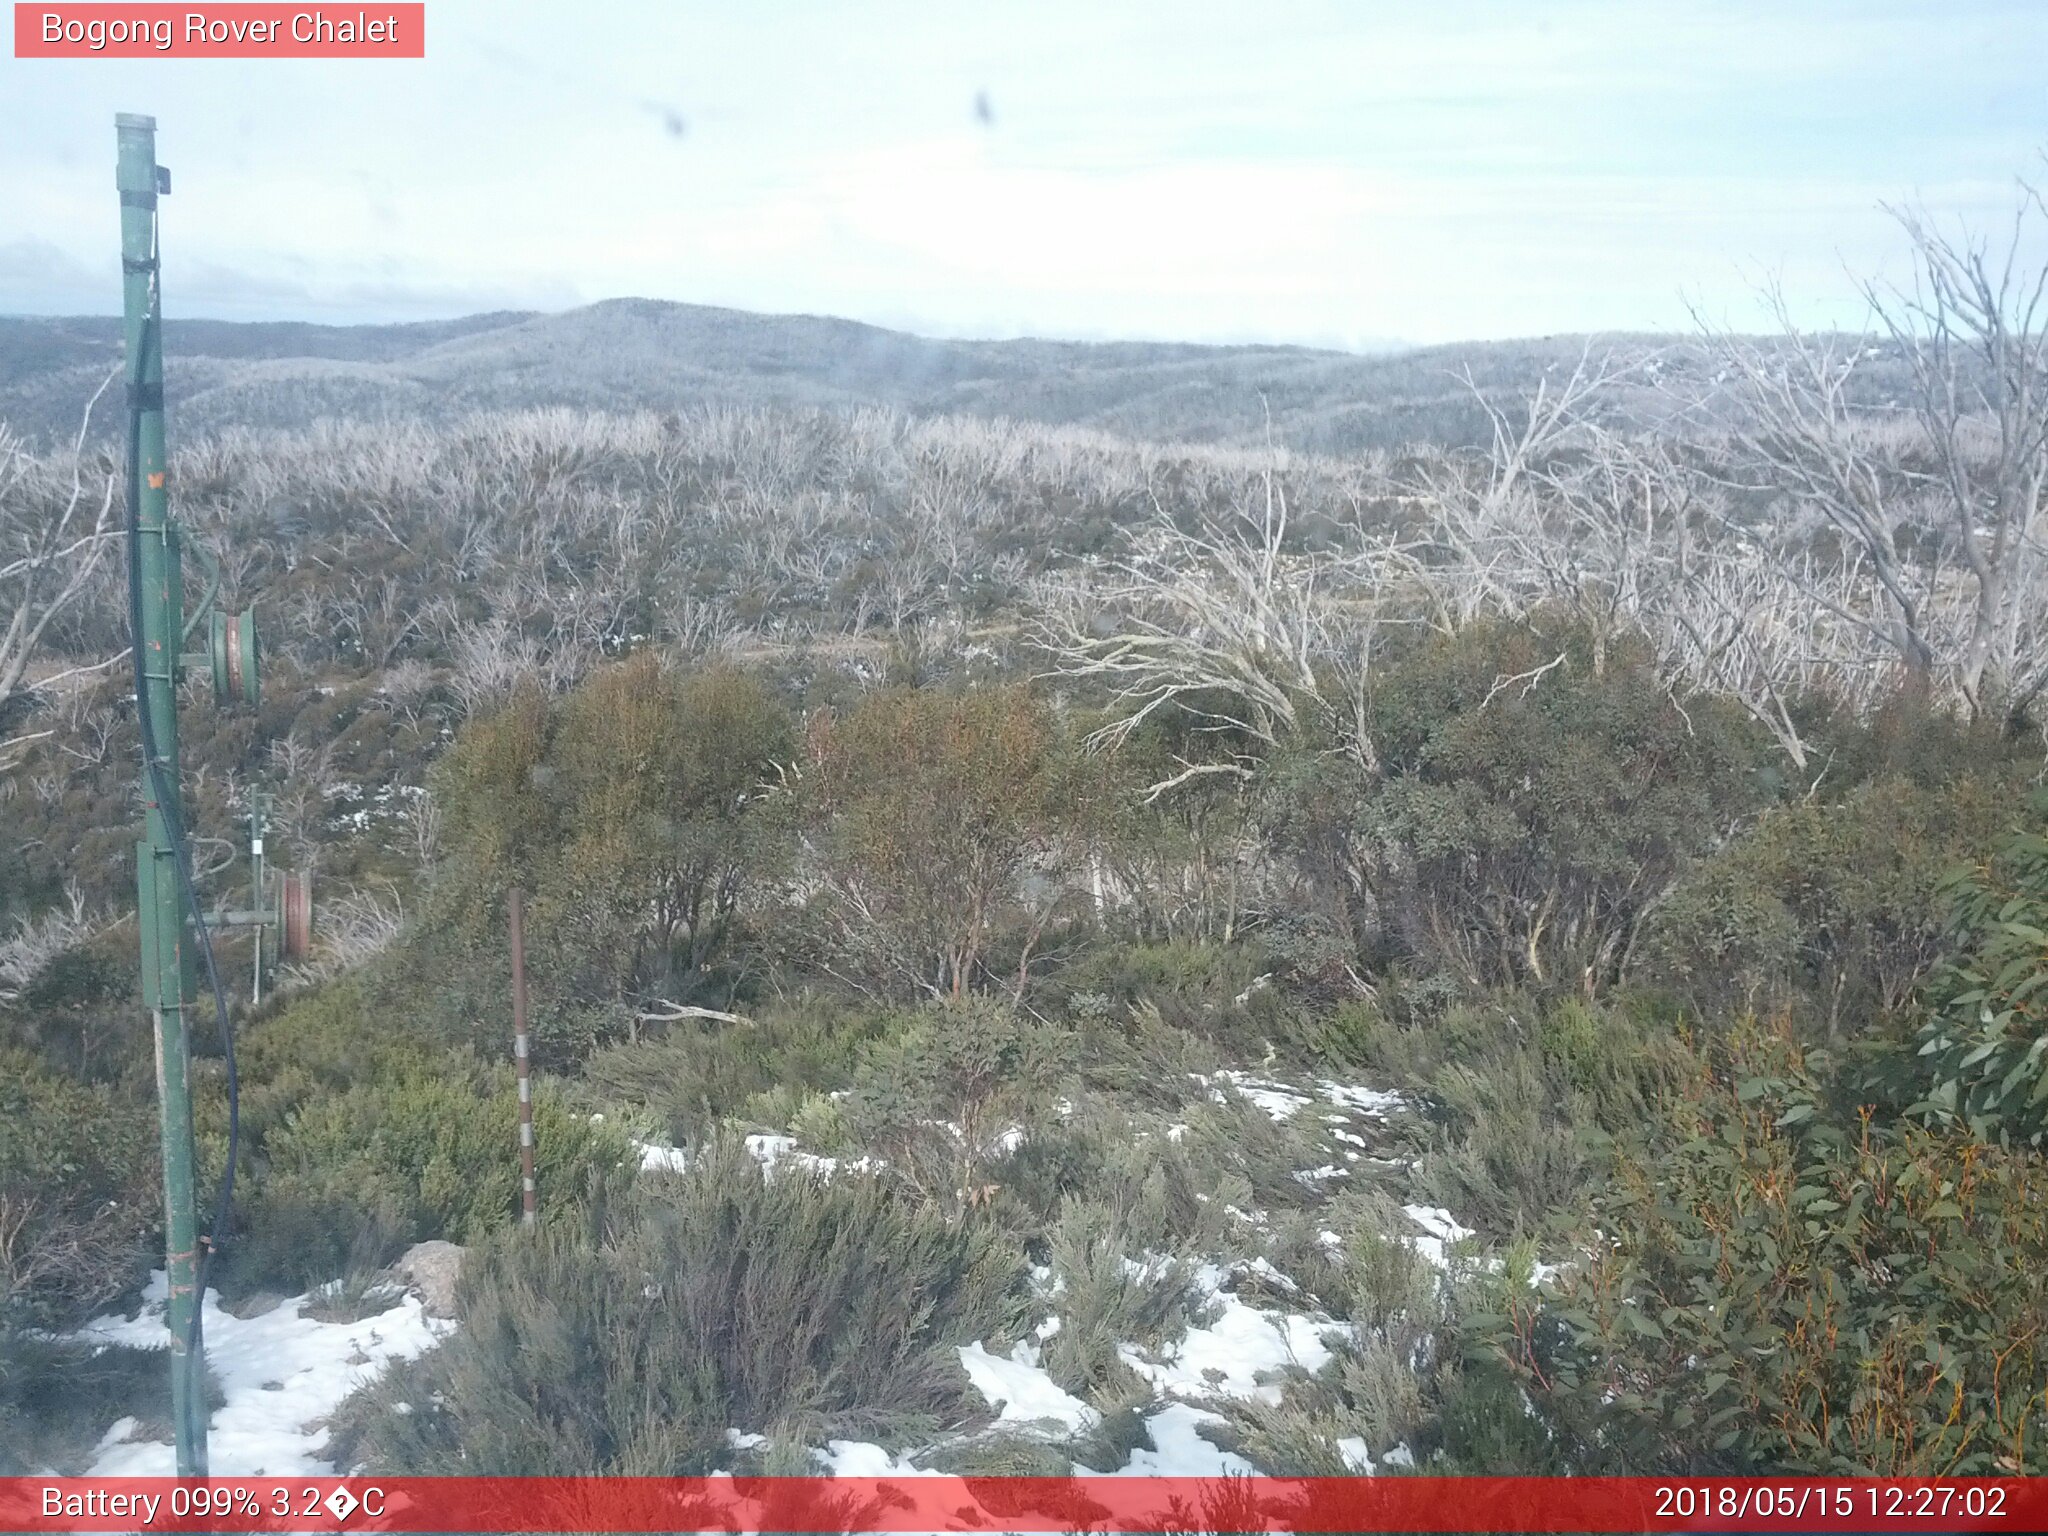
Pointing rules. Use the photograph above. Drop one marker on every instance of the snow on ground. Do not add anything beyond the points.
(1240, 1353)
(1442, 1230)
(1179, 1449)
(656, 1158)
(1377, 1102)
(281, 1374)
(1277, 1099)
(1353, 1449)
(863, 1458)
(1309, 1178)
(772, 1152)
(1023, 1393)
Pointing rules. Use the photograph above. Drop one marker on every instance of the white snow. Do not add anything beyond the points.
(863, 1458)
(656, 1158)
(1179, 1449)
(1367, 1101)
(1021, 1391)
(1442, 1228)
(771, 1152)
(1239, 1354)
(1278, 1100)
(281, 1375)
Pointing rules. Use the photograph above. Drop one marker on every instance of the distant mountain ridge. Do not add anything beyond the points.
(642, 353)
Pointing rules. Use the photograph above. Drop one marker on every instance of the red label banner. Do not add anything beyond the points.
(1024, 1504)
(237, 31)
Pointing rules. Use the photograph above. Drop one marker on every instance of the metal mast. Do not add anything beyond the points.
(158, 613)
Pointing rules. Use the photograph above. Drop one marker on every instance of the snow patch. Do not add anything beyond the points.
(1367, 1101)
(281, 1374)
(656, 1158)
(1442, 1230)
(1020, 1390)
(1240, 1354)
(863, 1458)
(1278, 1100)
(1178, 1449)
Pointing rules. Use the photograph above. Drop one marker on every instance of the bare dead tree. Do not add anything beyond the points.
(1228, 624)
(37, 941)
(355, 927)
(1512, 527)
(1938, 504)
(1799, 433)
(50, 552)
(1974, 329)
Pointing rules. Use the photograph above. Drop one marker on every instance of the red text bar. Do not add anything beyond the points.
(240, 31)
(1025, 1504)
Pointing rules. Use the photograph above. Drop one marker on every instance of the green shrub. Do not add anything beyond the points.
(941, 1096)
(927, 811)
(430, 1154)
(1387, 1283)
(715, 1299)
(1518, 835)
(1831, 909)
(1098, 1153)
(1114, 1292)
(1528, 1096)
(316, 1046)
(695, 1078)
(1787, 1288)
(1242, 1156)
(1983, 1050)
(79, 1193)
(636, 815)
(58, 1398)
(1184, 1007)
(1140, 1057)
(79, 1011)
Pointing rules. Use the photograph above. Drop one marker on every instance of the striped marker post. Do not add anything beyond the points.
(522, 1057)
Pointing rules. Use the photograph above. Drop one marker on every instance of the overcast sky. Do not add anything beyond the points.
(1333, 173)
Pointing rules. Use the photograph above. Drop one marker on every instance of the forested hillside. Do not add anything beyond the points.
(634, 353)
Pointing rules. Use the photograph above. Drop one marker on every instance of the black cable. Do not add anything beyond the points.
(167, 805)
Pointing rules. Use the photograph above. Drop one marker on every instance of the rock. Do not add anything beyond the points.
(430, 1270)
(255, 1304)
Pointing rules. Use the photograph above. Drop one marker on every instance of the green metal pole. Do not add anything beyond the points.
(166, 938)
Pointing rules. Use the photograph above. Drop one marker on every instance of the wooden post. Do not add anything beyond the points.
(522, 1057)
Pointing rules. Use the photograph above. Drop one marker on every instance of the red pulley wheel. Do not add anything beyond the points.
(295, 915)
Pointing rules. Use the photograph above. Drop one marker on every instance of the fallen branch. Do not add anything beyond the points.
(675, 1012)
